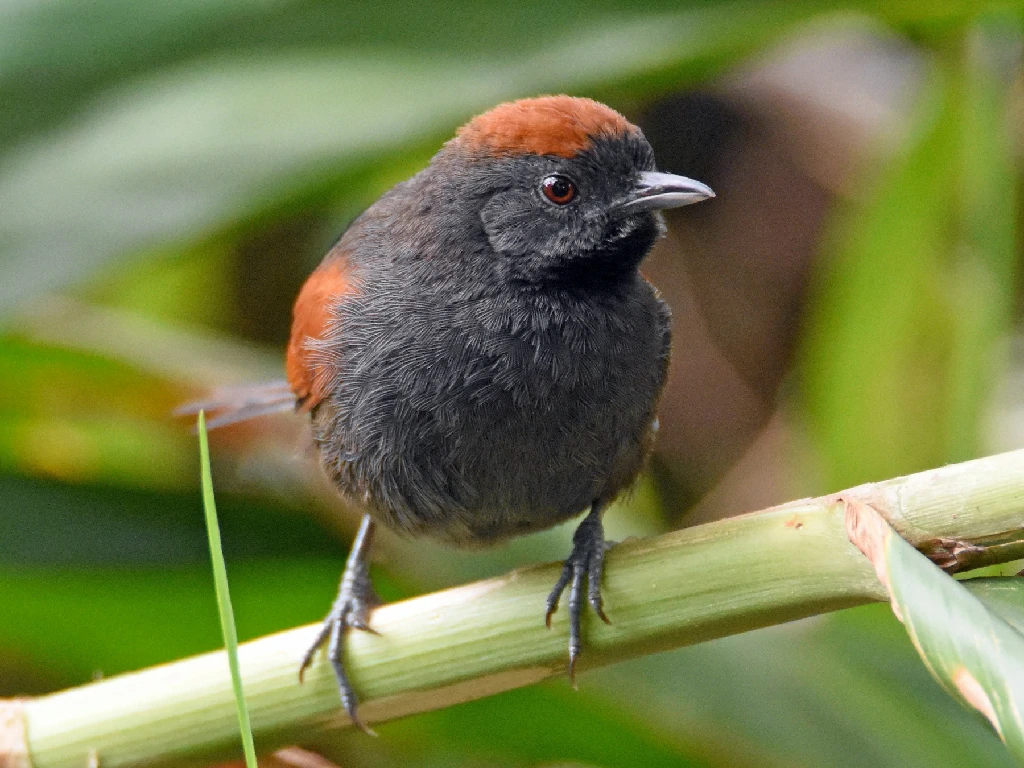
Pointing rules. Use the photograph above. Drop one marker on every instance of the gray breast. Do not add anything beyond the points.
(478, 418)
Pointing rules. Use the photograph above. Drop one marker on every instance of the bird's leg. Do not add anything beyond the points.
(587, 559)
(351, 610)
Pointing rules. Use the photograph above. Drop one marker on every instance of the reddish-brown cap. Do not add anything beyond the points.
(547, 125)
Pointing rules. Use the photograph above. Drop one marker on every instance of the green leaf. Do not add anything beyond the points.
(1004, 596)
(845, 691)
(201, 144)
(985, 213)
(974, 653)
(877, 350)
(126, 619)
(550, 721)
(915, 289)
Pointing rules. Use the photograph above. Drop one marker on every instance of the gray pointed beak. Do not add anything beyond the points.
(657, 191)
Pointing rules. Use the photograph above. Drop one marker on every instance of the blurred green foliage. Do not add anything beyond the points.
(905, 331)
(148, 152)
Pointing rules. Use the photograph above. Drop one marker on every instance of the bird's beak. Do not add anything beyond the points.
(656, 191)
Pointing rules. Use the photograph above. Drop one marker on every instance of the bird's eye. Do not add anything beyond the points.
(558, 189)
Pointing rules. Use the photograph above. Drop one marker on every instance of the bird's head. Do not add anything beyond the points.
(564, 188)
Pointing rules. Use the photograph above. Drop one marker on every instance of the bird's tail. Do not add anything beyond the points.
(229, 405)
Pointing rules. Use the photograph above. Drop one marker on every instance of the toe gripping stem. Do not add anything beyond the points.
(351, 610)
(586, 560)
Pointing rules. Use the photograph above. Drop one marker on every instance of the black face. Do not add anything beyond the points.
(553, 219)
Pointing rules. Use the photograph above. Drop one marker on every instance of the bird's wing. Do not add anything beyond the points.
(310, 369)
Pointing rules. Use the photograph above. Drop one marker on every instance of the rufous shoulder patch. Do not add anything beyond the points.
(548, 125)
(310, 318)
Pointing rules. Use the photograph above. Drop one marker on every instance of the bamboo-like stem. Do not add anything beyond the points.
(480, 639)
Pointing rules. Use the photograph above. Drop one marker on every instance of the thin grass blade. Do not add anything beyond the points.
(220, 580)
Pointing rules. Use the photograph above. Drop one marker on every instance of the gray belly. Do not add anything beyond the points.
(473, 434)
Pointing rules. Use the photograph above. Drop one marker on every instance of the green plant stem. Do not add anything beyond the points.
(220, 580)
(480, 639)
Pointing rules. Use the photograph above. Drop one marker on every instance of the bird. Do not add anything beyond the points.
(479, 354)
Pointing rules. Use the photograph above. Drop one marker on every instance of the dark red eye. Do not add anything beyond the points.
(558, 189)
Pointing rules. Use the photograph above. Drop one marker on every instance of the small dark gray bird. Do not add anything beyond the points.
(479, 354)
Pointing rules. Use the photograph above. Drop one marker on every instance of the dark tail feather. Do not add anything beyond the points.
(229, 405)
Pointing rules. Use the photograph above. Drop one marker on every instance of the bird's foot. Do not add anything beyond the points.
(351, 610)
(587, 559)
